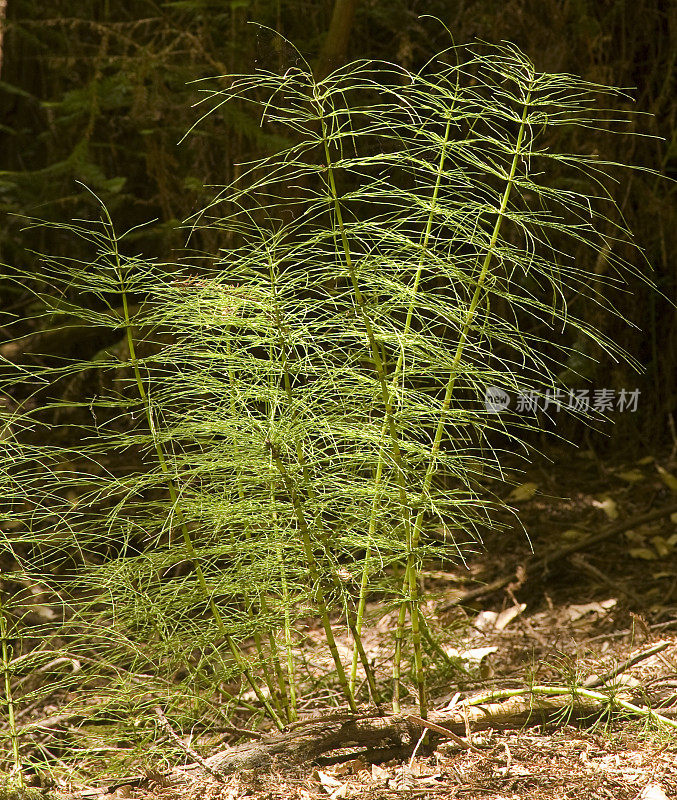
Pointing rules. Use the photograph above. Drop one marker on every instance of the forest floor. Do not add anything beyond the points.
(575, 619)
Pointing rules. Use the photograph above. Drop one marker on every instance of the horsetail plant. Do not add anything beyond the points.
(291, 427)
(426, 206)
(12, 729)
(119, 267)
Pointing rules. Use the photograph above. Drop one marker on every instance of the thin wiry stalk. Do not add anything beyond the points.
(575, 692)
(284, 356)
(389, 420)
(173, 496)
(277, 687)
(288, 703)
(396, 374)
(411, 574)
(288, 642)
(12, 729)
(316, 579)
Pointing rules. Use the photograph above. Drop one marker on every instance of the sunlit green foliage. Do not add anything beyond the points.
(296, 423)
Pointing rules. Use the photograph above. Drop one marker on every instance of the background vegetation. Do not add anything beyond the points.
(102, 92)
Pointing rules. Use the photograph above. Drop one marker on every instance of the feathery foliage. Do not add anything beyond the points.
(293, 426)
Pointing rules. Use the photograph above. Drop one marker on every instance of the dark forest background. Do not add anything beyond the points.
(103, 91)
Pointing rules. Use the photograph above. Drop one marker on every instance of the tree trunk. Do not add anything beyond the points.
(3, 16)
(336, 42)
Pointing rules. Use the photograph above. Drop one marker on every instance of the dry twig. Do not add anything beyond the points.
(560, 553)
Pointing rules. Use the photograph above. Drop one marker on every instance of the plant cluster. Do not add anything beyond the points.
(292, 427)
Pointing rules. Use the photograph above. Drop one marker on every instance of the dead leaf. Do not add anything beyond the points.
(450, 701)
(608, 506)
(652, 791)
(508, 615)
(378, 774)
(623, 682)
(668, 478)
(45, 613)
(643, 553)
(661, 545)
(576, 611)
(329, 783)
(485, 620)
(632, 476)
(350, 767)
(477, 654)
(335, 789)
(523, 492)
(492, 621)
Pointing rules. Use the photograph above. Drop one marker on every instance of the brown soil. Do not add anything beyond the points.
(563, 622)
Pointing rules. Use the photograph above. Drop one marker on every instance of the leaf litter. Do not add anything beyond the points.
(559, 626)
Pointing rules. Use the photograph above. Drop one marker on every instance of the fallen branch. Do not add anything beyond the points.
(166, 726)
(605, 700)
(578, 562)
(372, 735)
(560, 553)
(447, 734)
(657, 648)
